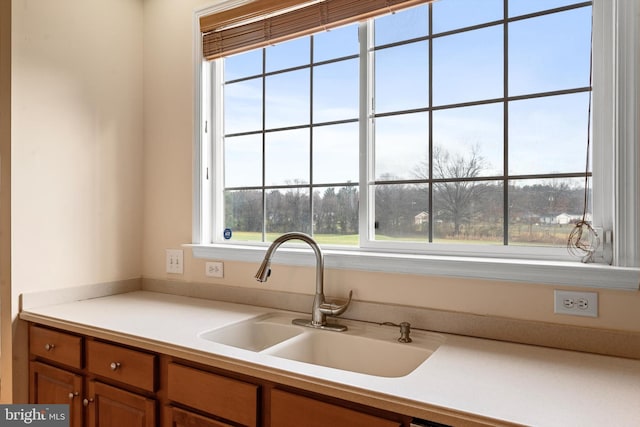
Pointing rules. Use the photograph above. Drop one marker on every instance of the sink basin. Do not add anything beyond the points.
(383, 358)
(254, 334)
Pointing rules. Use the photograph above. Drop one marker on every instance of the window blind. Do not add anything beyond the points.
(264, 22)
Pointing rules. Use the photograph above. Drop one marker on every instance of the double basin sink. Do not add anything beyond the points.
(364, 348)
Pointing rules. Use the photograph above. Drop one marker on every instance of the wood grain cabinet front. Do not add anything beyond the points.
(51, 385)
(109, 406)
(56, 346)
(177, 417)
(133, 367)
(223, 397)
(292, 410)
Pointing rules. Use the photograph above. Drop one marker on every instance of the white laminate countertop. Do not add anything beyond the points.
(503, 381)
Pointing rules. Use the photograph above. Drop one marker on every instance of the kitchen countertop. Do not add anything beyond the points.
(507, 382)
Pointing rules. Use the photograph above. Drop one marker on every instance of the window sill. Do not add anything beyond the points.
(513, 270)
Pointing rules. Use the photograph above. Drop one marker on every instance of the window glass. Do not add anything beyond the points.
(401, 145)
(336, 43)
(548, 134)
(401, 77)
(454, 14)
(287, 99)
(402, 212)
(542, 212)
(468, 66)
(287, 210)
(243, 161)
(336, 153)
(456, 146)
(555, 57)
(243, 65)
(466, 211)
(522, 7)
(243, 106)
(243, 214)
(286, 55)
(335, 91)
(287, 157)
(404, 25)
(335, 218)
(478, 129)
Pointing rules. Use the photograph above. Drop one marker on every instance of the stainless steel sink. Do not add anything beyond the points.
(255, 334)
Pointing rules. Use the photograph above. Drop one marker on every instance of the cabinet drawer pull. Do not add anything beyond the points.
(114, 365)
(49, 347)
(72, 395)
(85, 402)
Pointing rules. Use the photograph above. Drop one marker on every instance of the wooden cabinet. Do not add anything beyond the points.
(292, 410)
(57, 386)
(108, 384)
(114, 388)
(176, 417)
(124, 365)
(223, 397)
(114, 407)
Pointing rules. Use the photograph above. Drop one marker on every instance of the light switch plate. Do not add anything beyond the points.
(175, 259)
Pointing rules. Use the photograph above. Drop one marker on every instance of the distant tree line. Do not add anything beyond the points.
(464, 205)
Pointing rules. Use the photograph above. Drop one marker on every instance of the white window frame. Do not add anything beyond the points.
(616, 200)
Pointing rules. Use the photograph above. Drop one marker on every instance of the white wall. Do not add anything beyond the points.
(77, 144)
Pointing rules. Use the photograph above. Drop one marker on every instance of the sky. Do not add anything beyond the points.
(546, 135)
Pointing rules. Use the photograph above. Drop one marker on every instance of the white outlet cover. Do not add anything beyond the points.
(214, 269)
(576, 309)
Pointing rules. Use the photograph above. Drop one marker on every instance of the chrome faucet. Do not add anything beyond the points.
(321, 308)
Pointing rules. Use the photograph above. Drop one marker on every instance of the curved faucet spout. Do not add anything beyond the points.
(321, 308)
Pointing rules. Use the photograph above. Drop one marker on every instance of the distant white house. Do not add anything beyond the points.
(421, 218)
(565, 218)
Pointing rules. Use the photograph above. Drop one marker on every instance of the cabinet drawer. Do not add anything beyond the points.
(291, 410)
(177, 417)
(132, 367)
(56, 346)
(223, 397)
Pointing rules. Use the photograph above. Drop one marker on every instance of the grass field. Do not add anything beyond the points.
(555, 236)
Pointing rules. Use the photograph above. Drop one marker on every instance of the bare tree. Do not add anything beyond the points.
(455, 190)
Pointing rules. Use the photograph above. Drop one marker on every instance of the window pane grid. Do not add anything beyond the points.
(435, 184)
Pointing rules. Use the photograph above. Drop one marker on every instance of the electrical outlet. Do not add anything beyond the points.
(175, 259)
(576, 303)
(214, 269)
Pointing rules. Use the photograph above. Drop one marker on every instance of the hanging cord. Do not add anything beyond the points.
(583, 240)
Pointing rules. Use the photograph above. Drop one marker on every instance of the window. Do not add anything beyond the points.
(455, 128)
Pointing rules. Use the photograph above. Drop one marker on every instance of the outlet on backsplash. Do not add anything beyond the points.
(576, 303)
(214, 269)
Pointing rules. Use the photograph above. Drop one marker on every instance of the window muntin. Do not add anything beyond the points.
(424, 123)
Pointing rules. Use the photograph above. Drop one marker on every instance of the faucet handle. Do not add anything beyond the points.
(333, 309)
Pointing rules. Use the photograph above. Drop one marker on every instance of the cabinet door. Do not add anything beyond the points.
(291, 410)
(176, 417)
(113, 407)
(56, 386)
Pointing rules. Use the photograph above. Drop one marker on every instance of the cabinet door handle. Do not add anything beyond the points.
(49, 347)
(85, 402)
(72, 395)
(114, 366)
